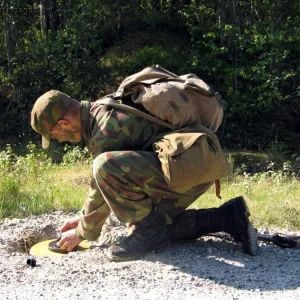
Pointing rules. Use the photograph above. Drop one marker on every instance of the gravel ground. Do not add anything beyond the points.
(208, 268)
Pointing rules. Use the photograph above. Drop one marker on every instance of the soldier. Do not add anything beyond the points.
(128, 180)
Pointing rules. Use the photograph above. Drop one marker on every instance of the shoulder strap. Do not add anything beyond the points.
(134, 111)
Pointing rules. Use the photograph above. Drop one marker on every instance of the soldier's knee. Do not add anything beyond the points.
(100, 165)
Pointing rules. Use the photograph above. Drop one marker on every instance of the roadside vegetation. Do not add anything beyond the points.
(32, 184)
(245, 50)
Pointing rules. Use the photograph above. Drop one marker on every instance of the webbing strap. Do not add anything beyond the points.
(285, 241)
(278, 239)
(218, 188)
(134, 111)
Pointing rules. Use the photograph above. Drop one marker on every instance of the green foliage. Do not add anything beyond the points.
(15, 171)
(247, 50)
(27, 187)
(32, 184)
(33, 162)
(74, 155)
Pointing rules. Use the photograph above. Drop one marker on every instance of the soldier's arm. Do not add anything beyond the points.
(93, 215)
(95, 210)
(115, 131)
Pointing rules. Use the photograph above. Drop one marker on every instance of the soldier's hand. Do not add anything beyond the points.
(69, 240)
(70, 224)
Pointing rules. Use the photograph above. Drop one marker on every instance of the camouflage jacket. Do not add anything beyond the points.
(109, 129)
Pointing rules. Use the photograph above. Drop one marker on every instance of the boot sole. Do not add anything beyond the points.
(112, 257)
(250, 246)
(117, 258)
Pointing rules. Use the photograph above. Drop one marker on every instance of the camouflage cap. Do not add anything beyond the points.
(47, 111)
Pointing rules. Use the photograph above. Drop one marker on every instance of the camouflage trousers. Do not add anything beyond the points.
(132, 184)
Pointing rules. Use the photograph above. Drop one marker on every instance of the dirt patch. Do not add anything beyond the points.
(207, 268)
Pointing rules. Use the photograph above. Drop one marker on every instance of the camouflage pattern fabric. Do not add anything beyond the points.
(47, 111)
(127, 181)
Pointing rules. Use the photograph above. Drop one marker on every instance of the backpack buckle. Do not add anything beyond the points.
(218, 95)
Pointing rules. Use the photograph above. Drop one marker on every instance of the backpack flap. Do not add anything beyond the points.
(191, 81)
(207, 101)
(178, 100)
(147, 76)
(190, 158)
(166, 101)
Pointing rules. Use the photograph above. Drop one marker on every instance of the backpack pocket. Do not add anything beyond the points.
(190, 158)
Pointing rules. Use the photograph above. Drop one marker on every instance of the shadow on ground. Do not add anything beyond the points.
(224, 263)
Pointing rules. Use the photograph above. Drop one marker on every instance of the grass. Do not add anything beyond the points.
(32, 184)
(39, 195)
(273, 202)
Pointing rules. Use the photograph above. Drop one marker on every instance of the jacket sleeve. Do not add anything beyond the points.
(93, 214)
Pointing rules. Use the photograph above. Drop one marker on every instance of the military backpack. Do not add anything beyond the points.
(190, 154)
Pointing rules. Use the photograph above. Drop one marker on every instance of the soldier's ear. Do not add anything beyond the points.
(63, 123)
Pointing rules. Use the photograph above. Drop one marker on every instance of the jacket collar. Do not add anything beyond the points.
(85, 122)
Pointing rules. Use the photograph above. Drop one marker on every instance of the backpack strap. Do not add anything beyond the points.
(218, 188)
(281, 240)
(278, 239)
(134, 111)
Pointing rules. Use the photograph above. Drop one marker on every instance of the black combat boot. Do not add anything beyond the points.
(231, 217)
(149, 235)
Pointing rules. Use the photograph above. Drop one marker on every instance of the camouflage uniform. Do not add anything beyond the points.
(127, 175)
(128, 179)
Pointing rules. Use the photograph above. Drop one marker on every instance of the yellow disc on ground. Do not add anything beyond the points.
(41, 249)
